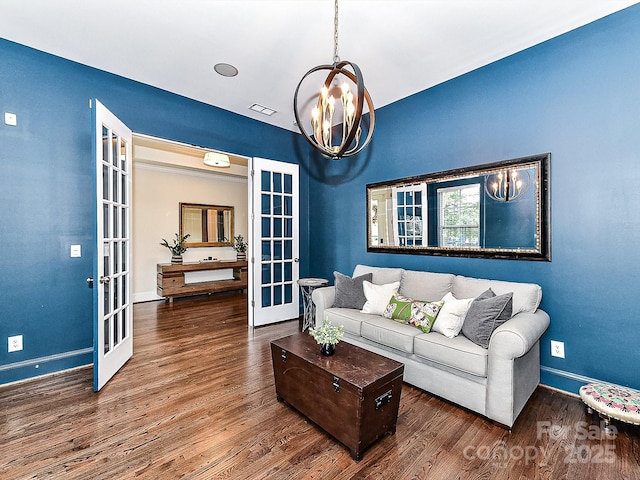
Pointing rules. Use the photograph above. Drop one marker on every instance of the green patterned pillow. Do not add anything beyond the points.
(423, 314)
(399, 308)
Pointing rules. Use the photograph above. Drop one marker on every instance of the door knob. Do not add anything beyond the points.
(105, 279)
(90, 282)
(296, 260)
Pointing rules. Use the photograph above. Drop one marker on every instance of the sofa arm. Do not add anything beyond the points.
(323, 298)
(516, 336)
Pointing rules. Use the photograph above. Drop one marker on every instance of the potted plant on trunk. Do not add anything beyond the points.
(327, 335)
(177, 247)
(240, 246)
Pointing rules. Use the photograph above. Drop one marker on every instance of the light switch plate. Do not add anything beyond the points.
(10, 119)
(76, 251)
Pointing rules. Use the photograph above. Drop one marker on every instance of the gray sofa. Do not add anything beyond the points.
(495, 382)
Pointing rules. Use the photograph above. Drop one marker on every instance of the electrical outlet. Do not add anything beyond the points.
(15, 343)
(557, 349)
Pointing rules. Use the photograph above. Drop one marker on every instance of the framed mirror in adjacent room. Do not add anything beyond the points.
(208, 225)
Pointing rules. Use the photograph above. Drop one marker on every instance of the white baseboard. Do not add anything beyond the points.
(145, 297)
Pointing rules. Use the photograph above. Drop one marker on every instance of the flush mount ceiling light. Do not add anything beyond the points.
(215, 159)
(225, 69)
(336, 126)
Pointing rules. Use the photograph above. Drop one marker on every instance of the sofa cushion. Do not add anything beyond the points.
(389, 333)
(399, 308)
(414, 312)
(458, 352)
(486, 313)
(349, 291)
(349, 318)
(378, 296)
(526, 296)
(451, 317)
(381, 275)
(425, 285)
(424, 314)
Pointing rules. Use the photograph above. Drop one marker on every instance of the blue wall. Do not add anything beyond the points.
(576, 96)
(46, 192)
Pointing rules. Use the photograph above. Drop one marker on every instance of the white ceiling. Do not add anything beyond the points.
(401, 46)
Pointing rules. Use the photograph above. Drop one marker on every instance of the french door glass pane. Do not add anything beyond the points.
(266, 204)
(277, 227)
(106, 334)
(106, 231)
(277, 294)
(277, 204)
(105, 182)
(123, 163)
(115, 183)
(266, 250)
(266, 273)
(125, 312)
(288, 271)
(116, 328)
(277, 272)
(116, 223)
(115, 157)
(266, 297)
(287, 293)
(106, 139)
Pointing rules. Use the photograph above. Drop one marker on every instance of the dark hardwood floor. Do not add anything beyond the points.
(197, 401)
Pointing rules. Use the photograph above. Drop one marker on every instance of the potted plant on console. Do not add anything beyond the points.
(177, 248)
(327, 335)
(240, 246)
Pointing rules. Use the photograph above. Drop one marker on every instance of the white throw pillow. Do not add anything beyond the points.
(451, 317)
(378, 296)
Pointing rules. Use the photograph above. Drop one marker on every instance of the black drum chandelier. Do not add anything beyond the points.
(335, 126)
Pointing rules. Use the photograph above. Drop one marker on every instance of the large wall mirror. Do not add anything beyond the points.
(208, 225)
(496, 210)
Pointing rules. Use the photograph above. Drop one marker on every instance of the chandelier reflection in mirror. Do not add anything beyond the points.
(335, 126)
(507, 185)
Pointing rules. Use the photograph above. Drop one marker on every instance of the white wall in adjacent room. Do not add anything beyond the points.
(158, 190)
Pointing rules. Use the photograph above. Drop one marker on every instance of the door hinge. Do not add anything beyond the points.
(253, 303)
(252, 172)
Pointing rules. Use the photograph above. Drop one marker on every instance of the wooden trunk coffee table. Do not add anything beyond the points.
(354, 395)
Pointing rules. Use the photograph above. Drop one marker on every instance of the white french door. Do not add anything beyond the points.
(273, 233)
(112, 308)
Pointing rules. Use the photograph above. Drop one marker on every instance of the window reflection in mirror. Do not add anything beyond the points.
(497, 210)
(208, 225)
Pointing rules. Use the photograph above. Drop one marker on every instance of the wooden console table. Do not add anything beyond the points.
(171, 278)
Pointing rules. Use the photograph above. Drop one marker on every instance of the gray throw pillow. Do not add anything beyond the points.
(349, 291)
(486, 313)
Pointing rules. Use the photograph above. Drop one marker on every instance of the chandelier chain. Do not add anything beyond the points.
(336, 58)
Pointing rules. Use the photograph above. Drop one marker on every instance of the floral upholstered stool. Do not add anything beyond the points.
(612, 401)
